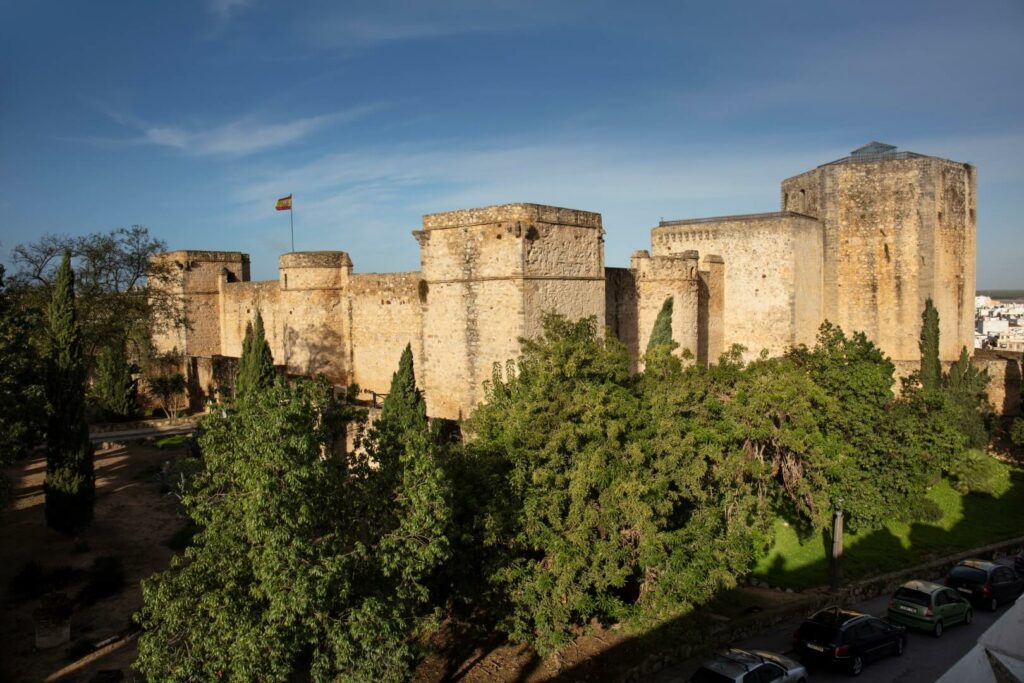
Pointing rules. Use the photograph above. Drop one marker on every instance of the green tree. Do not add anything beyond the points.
(69, 484)
(292, 570)
(169, 389)
(113, 386)
(600, 501)
(22, 397)
(120, 292)
(965, 385)
(256, 366)
(403, 413)
(931, 368)
(661, 333)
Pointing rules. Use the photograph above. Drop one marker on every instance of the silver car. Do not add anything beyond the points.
(754, 666)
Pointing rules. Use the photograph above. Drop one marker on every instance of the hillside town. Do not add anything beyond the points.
(999, 323)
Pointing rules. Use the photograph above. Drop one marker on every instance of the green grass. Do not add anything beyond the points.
(968, 522)
(171, 441)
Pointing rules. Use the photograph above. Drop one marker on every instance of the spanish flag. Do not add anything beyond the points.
(284, 203)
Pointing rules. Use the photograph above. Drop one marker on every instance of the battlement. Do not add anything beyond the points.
(511, 213)
(314, 259)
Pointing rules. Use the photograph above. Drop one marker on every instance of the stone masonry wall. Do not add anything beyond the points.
(386, 316)
(772, 283)
(621, 310)
(315, 314)
(489, 276)
(895, 231)
(195, 280)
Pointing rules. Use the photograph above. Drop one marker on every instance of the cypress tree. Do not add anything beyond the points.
(404, 407)
(114, 388)
(931, 368)
(70, 482)
(256, 367)
(661, 333)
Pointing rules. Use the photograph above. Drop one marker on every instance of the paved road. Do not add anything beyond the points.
(169, 430)
(925, 659)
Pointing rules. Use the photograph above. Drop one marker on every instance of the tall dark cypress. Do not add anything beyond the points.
(661, 333)
(256, 366)
(931, 368)
(404, 408)
(70, 482)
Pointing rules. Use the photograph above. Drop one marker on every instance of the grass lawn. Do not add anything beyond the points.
(968, 522)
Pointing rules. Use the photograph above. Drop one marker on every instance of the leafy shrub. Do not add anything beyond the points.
(183, 537)
(1017, 432)
(976, 472)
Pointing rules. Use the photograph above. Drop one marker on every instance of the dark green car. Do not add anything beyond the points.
(929, 606)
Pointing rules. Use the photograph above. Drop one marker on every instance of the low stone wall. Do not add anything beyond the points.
(717, 634)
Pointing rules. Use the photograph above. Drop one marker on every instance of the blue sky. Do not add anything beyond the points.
(192, 117)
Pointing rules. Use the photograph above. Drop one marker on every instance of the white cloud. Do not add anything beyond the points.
(242, 136)
(366, 24)
(226, 8)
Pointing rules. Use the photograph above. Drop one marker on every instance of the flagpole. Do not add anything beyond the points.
(291, 220)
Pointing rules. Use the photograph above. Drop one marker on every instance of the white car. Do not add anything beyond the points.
(754, 666)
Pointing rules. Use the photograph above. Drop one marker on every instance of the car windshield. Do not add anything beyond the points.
(969, 574)
(912, 596)
(819, 633)
(706, 675)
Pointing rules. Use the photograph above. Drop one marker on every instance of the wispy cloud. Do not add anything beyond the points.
(368, 24)
(242, 136)
(226, 8)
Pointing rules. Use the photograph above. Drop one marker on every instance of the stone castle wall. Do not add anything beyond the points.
(489, 277)
(386, 315)
(861, 242)
(772, 279)
(896, 230)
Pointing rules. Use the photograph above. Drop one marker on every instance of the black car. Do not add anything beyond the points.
(848, 639)
(985, 583)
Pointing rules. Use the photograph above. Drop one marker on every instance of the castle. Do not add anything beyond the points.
(862, 241)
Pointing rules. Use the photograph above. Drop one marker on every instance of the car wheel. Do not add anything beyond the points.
(969, 616)
(856, 666)
(937, 629)
(993, 604)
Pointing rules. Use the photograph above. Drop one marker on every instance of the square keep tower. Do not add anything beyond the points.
(489, 276)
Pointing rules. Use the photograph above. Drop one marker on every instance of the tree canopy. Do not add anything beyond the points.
(22, 396)
(292, 569)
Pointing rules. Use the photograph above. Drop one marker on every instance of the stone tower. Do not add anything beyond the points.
(194, 278)
(489, 276)
(897, 228)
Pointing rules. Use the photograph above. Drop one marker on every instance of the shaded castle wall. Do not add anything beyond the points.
(490, 274)
(194, 278)
(315, 312)
(895, 231)
(634, 297)
(621, 309)
(1004, 369)
(772, 280)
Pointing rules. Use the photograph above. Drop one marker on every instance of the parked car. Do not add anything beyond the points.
(929, 606)
(754, 666)
(847, 639)
(985, 583)
(1018, 563)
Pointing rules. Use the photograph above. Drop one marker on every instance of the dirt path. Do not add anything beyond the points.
(133, 521)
